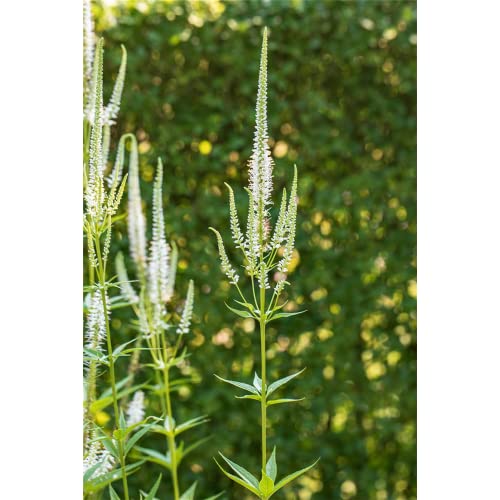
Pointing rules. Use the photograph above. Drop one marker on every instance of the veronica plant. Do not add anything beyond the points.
(159, 324)
(104, 450)
(265, 249)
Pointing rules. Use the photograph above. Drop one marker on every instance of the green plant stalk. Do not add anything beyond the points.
(101, 273)
(263, 396)
(170, 438)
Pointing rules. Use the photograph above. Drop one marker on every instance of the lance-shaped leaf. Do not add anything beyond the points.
(248, 477)
(283, 315)
(281, 401)
(154, 489)
(282, 381)
(266, 485)
(138, 435)
(154, 456)
(112, 494)
(104, 480)
(249, 396)
(241, 313)
(189, 493)
(293, 476)
(271, 467)
(239, 481)
(190, 424)
(257, 382)
(241, 385)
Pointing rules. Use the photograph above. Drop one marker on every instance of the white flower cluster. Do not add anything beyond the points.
(97, 454)
(187, 313)
(96, 321)
(135, 410)
(259, 247)
(100, 204)
(227, 268)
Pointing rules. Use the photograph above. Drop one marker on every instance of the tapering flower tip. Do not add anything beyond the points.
(88, 42)
(291, 222)
(94, 195)
(280, 228)
(226, 266)
(125, 287)
(172, 272)
(158, 269)
(113, 107)
(261, 166)
(234, 220)
(136, 219)
(135, 410)
(187, 313)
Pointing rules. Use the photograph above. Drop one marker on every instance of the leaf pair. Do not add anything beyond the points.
(266, 487)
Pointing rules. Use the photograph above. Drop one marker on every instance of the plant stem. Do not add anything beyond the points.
(263, 374)
(170, 438)
(102, 273)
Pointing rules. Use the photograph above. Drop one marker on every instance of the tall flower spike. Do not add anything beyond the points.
(291, 221)
(126, 289)
(158, 268)
(96, 322)
(238, 238)
(113, 107)
(261, 165)
(88, 43)
(227, 268)
(187, 313)
(94, 195)
(169, 291)
(136, 219)
(280, 228)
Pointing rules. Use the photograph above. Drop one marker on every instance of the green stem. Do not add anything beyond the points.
(170, 438)
(263, 407)
(101, 273)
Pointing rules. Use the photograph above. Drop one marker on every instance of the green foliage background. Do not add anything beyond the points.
(342, 106)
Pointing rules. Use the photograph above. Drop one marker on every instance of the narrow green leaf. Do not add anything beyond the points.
(242, 472)
(112, 494)
(257, 382)
(121, 347)
(189, 494)
(292, 476)
(271, 467)
(190, 424)
(281, 401)
(241, 385)
(154, 456)
(283, 315)
(154, 489)
(138, 435)
(104, 480)
(240, 312)
(249, 396)
(214, 497)
(266, 485)
(281, 382)
(239, 481)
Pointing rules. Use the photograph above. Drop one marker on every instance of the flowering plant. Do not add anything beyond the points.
(265, 250)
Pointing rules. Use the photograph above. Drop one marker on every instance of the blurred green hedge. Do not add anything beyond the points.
(342, 106)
